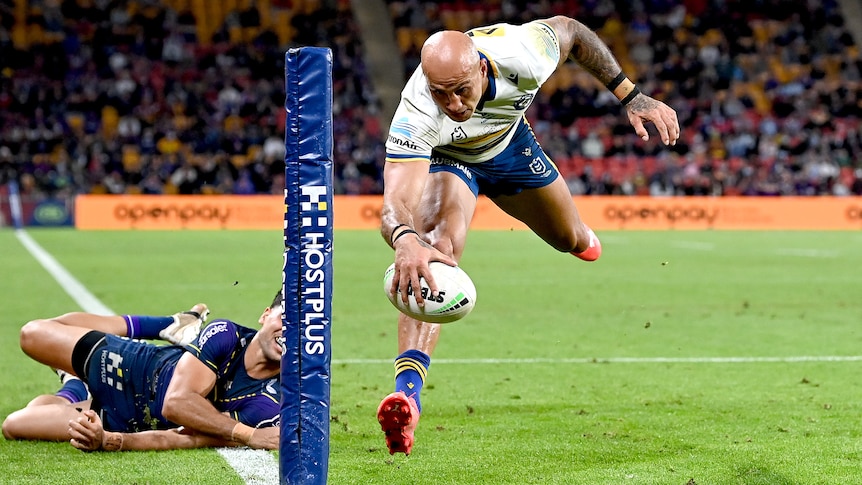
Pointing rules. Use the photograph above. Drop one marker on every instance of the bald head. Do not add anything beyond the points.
(448, 53)
(455, 73)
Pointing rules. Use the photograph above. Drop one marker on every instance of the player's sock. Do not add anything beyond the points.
(73, 389)
(146, 327)
(411, 367)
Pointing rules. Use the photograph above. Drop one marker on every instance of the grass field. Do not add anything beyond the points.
(679, 357)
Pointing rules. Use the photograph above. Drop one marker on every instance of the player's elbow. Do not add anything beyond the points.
(172, 408)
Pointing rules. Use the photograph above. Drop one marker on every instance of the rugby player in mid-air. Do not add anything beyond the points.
(220, 388)
(460, 130)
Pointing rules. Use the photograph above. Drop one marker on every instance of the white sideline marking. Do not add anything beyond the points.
(255, 467)
(86, 300)
(624, 360)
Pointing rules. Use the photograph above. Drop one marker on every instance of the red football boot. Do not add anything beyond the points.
(593, 252)
(398, 417)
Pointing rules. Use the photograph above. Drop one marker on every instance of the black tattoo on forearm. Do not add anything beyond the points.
(591, 53)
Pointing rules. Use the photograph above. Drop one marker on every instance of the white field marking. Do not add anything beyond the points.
(623, 360)
(86, 300)
(807, 253)
(256, 467)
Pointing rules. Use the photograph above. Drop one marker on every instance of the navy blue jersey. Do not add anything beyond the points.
(221, 346)
(128, 379)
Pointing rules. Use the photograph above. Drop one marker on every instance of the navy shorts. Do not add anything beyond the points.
(123, 377)
(522, 165)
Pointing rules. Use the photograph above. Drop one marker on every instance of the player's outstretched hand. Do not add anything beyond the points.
(644, 109)
(265, 438)
(412, 256)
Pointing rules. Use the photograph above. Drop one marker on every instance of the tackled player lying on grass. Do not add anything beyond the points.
(213, 387)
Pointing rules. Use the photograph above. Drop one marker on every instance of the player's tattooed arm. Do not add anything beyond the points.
(580, 44)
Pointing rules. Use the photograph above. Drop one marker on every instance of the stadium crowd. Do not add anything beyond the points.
(125, 96)
(768, 93)
(186, 96)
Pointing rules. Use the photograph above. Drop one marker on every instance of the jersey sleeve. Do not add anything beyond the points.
(261, 411)
(531, 50)
(540, 38)
(216, 345)
(414, 131)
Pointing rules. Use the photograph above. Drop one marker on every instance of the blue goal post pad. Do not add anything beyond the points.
(307, 272)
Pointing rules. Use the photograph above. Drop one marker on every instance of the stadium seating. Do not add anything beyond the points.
(767, 93)
(743, 78)
(125, 96)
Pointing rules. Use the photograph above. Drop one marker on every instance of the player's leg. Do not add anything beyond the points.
(45, 418)
(448, 205)
(525, 183)
(551, 213)
(179, 328)
(184, 327)
(51, 342)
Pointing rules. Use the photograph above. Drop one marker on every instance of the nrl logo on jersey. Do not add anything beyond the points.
(523, 101)
(538, 167)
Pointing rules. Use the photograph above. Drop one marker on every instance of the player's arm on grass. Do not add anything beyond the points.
(88, 434)
(186, 404)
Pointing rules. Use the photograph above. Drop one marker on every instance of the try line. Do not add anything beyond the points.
(624, 360)
(255, 467)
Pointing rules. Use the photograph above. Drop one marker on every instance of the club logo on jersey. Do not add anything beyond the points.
(458, 134)
(523, 101)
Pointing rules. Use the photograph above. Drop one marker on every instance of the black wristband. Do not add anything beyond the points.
(616, 81)
(406, 231)
(629, 97)
(399, 226)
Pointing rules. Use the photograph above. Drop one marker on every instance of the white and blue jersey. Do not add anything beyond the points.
(128, 379)
(494, 152)
(520, 59)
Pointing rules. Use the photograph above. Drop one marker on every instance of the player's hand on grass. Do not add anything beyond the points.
(86, 431)
(265, 438)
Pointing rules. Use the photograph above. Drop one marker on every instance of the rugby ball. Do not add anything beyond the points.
(455, 299)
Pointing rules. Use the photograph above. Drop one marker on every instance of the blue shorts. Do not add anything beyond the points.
(522, 165)
(127, 380)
